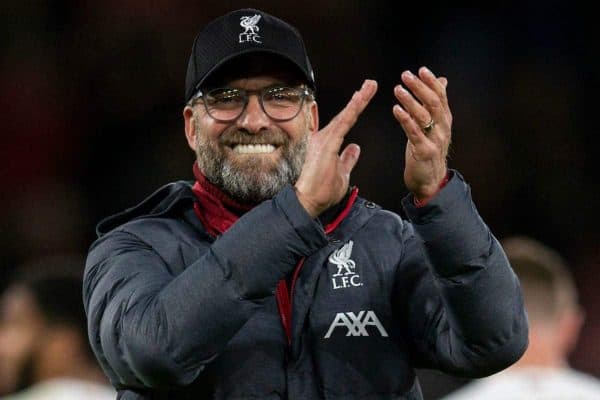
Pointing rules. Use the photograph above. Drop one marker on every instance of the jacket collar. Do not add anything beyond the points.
(163, 201)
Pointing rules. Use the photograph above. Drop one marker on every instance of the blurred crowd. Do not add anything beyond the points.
(91, 94)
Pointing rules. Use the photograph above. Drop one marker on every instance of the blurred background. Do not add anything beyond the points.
(91, 95)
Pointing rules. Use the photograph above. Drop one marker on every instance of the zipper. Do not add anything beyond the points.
(284, 301)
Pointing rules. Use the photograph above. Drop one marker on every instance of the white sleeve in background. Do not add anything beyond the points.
(66, 389)
(531, 384)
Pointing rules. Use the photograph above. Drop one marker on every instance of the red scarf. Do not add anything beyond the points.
(218, 212)
(215, 209)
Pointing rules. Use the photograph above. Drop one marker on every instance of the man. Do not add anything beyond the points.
(268, 277)
(555, 319)
(44, 352)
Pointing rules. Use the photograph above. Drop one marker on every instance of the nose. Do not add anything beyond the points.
(253, 119)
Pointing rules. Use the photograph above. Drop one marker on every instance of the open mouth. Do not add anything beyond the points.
(254, 148)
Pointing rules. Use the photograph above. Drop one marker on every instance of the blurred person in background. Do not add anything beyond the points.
(44, 352)
(269, 277)
(555, 320)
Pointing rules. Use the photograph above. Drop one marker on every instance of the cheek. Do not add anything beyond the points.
(209, 131)
(296, 129)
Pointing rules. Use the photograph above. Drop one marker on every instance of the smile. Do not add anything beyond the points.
(253, 148)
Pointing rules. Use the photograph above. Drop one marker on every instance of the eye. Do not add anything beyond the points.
(224, 98)
(283, 95)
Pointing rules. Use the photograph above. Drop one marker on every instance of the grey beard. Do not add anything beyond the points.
(250, 182)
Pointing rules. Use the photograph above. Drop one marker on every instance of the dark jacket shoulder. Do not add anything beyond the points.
(163, 202)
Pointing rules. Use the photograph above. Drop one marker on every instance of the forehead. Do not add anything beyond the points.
(257, 69)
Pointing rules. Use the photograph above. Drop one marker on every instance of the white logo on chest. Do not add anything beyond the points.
(356, 324)
(346, 275)
(250, 33)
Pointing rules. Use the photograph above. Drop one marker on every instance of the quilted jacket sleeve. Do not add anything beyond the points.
(151, 328)
(456, 288)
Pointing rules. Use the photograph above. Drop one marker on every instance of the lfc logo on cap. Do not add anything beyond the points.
(250, 33)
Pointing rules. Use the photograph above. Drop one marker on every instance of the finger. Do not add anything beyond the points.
(346, 119)
(427, 96)
(428, 77)
(412, 106)
(413, 131)
(349, 157)
(435, 84)
(443, 81)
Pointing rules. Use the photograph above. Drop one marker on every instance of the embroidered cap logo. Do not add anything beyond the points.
(250, 33)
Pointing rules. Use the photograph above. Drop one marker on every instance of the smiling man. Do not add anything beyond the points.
(252, 155)
(268, 277)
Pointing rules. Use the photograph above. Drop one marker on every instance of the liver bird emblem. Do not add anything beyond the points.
(249, 23)
(341, 258)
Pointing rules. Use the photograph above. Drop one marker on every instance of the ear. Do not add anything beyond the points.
(190, 127)
(313, 117)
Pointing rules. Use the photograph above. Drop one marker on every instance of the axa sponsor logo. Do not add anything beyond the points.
(250, 34)
(346, 275)
(356, 324)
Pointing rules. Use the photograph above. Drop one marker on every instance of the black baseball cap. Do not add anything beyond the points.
(239, 33)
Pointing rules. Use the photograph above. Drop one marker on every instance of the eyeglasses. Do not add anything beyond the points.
(280, 103)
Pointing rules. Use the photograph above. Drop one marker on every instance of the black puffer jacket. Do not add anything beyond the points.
(174, 314)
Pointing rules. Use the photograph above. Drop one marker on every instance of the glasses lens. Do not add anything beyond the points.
(282, 102)
(224, 104)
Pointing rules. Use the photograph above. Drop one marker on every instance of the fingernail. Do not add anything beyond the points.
(408, 75)
(427, 71)
(398, 108)
(400, 89)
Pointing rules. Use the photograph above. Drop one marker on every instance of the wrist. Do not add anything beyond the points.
(310, 208)
(421, 199)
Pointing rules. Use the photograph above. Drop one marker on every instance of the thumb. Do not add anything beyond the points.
(349, 157)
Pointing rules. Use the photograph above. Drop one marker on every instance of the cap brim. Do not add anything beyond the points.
(220, 64)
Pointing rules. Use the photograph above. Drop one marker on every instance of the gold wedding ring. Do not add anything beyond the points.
(427, 128)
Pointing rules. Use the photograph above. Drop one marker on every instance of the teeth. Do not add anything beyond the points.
(253, 148)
